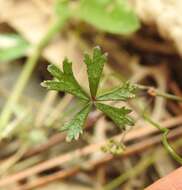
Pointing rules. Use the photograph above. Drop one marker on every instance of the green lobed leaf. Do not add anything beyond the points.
(75, 127)
(55, 71)
(114, 16)
(95, 66)
(12, 46)
(64, 81)
(123, 93)
(119, 115)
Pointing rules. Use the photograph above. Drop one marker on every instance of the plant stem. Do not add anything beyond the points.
(155, 92)
(26, 73)
(165, 142)
(141, 166)
(169, 96)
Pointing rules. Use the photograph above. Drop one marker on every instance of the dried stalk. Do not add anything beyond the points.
(138, 133)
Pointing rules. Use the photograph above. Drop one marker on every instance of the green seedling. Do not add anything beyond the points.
(65, 81)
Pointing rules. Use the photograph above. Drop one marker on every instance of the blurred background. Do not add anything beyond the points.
(143, 39)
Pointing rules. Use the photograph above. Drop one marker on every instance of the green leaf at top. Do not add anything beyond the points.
(123, 93)
(64, 81)
(119, 115)
(12, 46)
(75, 127)
(114, 16)
(95, 66)
(62, 8)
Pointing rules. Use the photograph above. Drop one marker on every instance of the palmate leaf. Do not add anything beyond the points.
(65, 81)
(95, 66)
(119, 115)
(114, 16)
(75, 127)
(125, 92)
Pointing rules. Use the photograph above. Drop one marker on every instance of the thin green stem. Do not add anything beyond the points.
(169, 96)
(26, 73)
(155, 92)
(165, 142)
